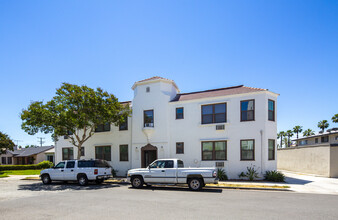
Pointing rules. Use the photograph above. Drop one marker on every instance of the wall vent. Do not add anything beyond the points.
(219, 164)
(220, 127)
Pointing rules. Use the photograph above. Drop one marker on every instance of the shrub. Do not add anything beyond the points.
(274, 176)
(221, 174)
(42, 165)
(113, 172)
(251, 173)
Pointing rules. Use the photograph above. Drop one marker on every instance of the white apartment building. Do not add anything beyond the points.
(232, 128)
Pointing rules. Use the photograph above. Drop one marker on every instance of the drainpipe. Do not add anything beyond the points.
(261, 131)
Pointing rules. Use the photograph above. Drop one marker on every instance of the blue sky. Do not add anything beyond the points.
(289, 47)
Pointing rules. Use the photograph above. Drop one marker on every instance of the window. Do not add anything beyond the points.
(148, 118)
(316, 140)
(271, 149)
(247, 149)
(67, 153)
(123, 152)
(179, 113)
(215, 113)
(248, 110)
(179, 148)
(103, 153)
(325, 139)
(124, 126)
(162, 164)
(70, 164)
(50, 158)
(82, 151)
(103, 127)
(271, 111)
(69, 133)
(336, 138)
(3, 160)
(60, 165)
(303, 142)
(9, 160)
(180, 164)
(148, 89)
(214, 150)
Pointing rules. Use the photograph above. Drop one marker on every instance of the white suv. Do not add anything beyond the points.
(81, 171)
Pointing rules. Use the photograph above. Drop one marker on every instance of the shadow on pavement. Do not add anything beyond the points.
(291, 180)
(175, 188)
(64, 186)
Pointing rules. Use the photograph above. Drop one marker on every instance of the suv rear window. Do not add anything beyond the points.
(92, 163)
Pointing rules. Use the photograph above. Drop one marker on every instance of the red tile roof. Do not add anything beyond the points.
(216, 92)
(153, 78)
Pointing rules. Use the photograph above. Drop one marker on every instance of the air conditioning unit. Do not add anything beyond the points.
(219, 164)
(220, 127)
(149, 125)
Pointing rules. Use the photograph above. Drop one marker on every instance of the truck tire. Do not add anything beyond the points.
(82, 180)
(195, 184)
(137, 182)
(46, 179)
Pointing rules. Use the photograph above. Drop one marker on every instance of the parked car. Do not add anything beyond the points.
(172, 172)
(81, 171)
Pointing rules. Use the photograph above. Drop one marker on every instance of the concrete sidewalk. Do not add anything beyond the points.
(305, 183)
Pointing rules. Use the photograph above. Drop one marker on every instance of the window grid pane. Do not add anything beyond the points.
(214, 150)
(215, 113)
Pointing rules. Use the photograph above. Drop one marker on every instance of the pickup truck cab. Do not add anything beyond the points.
(81, 171)
(171, 172)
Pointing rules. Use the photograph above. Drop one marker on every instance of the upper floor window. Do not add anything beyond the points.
(103, 127)
(248, 110)
(271, 111)
(325, 139)
(69, 133)
(148, 89)
(179, 113)
(148, 118)
(248, 149)
(124, 126)
(271, 149)
(215, 113)
(214, 150)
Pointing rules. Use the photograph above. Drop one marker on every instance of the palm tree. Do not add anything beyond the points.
(285, 141)
(297, 129)
(308, 132)
(335, 118)
(289, 133)
(280, 135)
(323, 124)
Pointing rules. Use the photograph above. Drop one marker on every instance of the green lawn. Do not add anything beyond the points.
(5, 173)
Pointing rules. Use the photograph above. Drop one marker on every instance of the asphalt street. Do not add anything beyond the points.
(20, 199)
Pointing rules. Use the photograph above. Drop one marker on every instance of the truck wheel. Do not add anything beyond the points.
(83, 180)
(137, 182)
(46, 179)
(195, 184)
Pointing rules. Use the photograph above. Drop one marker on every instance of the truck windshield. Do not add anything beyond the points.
(180, 164)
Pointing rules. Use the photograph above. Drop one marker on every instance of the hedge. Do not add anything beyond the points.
(39, 166)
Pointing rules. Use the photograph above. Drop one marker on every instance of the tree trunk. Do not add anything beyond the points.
(79, 151)
(281, 141)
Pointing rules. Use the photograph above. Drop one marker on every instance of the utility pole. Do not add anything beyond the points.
(40, 141)
(17, 143)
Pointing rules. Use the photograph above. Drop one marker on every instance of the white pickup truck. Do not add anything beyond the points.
(81, 171)
(172, 172)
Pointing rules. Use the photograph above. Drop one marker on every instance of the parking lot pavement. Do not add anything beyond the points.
(31, 199)
(311, 184)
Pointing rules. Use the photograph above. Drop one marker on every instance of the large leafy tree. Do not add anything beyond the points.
(5, 143)
(308, 132)
(297, 129)
(289, 134)
(323, 124)
(335, 118)
(75, 111)
(280, 135)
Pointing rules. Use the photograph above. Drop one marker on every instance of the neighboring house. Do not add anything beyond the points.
(316, 154)
(30, 155)
(232, 128)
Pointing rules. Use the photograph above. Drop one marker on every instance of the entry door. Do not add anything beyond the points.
(149, 157)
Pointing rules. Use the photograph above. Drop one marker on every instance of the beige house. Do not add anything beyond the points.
(316, 154)
(25, 156)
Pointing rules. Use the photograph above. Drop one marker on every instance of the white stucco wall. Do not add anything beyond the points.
(167, 130)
